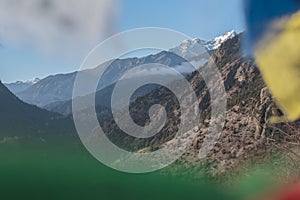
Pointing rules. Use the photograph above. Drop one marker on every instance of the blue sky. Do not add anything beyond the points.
(203, 19)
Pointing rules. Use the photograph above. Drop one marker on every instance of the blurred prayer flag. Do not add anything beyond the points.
(273, 36)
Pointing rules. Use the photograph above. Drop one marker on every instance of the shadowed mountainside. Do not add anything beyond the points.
(19, 119)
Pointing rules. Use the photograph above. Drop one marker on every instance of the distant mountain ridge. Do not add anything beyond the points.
(50, 89)
(20, 86)
(59, 87)
(188, 49)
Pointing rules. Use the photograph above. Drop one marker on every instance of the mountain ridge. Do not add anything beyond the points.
(20, 86)
(47, 92)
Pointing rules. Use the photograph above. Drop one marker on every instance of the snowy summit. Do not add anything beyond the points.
(189, 49)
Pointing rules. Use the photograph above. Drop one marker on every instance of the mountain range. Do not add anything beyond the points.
(247, 133)
(58, 88)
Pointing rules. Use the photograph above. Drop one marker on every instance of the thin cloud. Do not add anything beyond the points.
(57, 26)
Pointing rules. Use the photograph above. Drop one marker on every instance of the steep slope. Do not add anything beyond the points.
(23, 120)
(247, 135)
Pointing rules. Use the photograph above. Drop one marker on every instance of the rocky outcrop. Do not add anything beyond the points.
(247, 134)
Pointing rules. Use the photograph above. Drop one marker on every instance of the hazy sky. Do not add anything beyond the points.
(53, 36)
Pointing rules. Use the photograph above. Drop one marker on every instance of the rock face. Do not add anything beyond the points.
(247, 134)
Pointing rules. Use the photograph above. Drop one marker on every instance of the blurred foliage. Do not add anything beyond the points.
(61, 171)
(35, 170)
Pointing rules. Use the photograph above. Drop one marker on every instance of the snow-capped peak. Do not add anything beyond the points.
(217, 41)
(33, 81)
(189, 49)
(20, 86)
(29, 82)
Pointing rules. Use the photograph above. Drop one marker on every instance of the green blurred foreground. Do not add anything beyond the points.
(39, 171)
